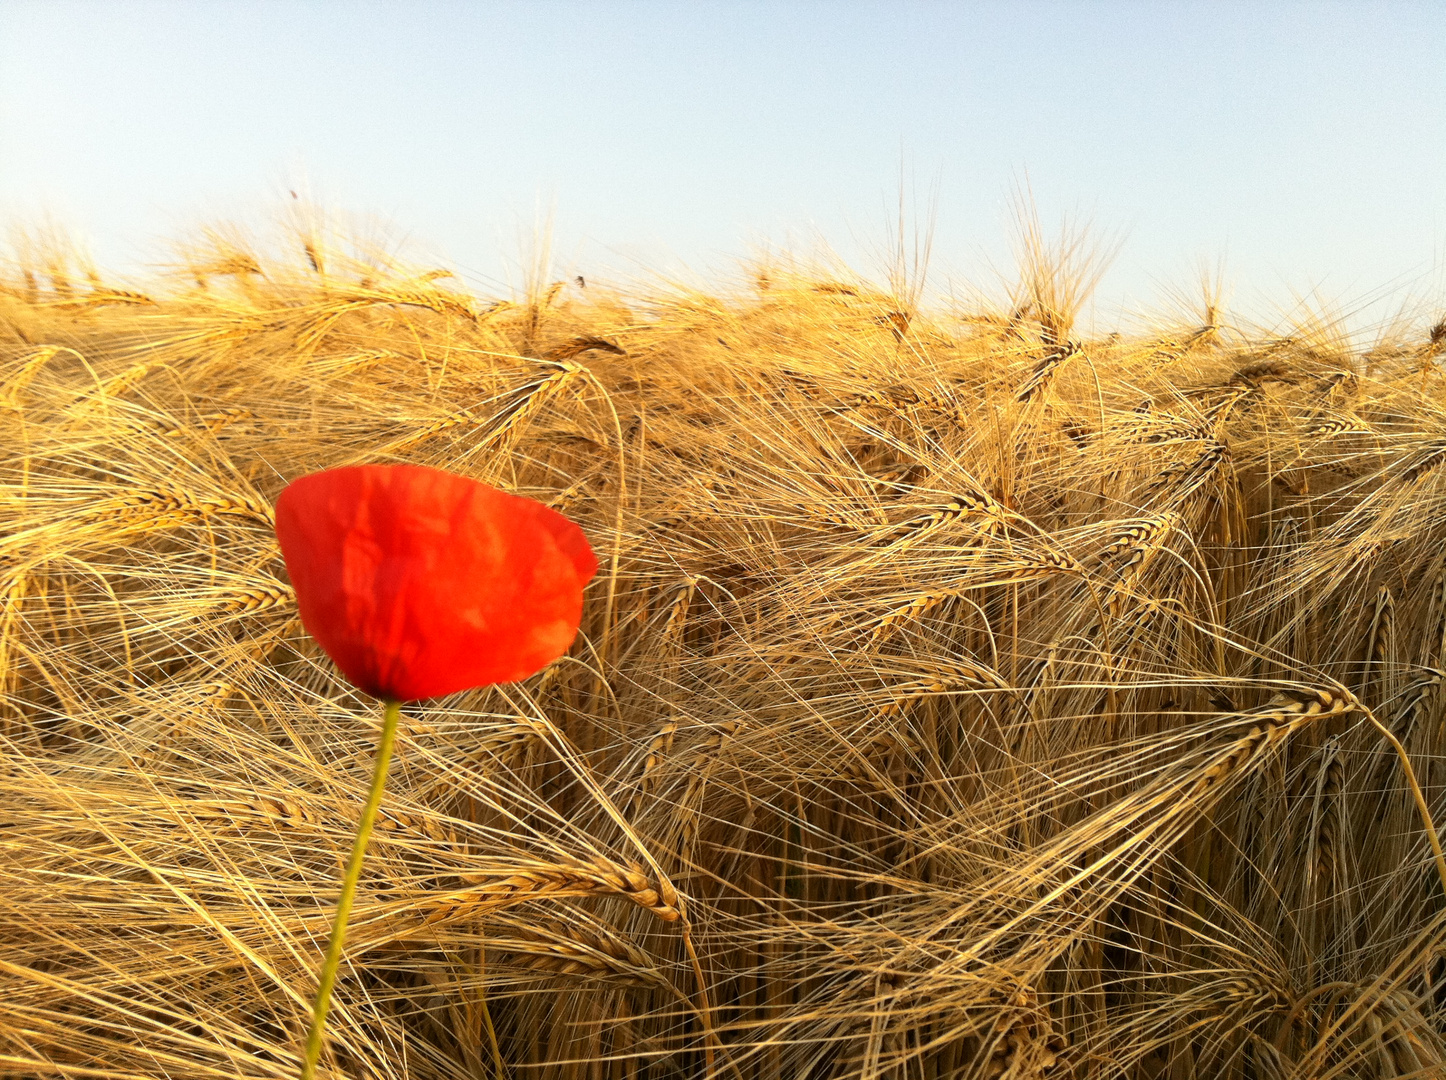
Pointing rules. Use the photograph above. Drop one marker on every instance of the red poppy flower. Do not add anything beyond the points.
(419, 582)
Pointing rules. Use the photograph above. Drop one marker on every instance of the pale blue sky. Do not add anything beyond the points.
(1305, 144)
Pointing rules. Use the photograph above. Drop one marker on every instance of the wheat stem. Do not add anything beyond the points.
(1421, 805)
(316, 1034)
(487, 1018)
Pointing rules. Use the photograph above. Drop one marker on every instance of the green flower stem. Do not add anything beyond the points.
(315, 1036)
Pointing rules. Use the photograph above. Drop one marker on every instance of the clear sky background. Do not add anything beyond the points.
(1304, 145)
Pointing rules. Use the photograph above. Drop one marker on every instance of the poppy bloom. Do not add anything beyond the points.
(420, 582)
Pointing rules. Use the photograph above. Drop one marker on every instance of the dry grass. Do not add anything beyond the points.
(986, 700)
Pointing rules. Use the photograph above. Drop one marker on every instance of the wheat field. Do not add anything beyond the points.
(960, 695)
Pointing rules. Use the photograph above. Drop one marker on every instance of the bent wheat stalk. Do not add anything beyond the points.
(1422, 807)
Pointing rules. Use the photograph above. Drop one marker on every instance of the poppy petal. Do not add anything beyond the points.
(419, 582)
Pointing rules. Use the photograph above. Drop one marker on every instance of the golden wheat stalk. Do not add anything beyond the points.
(909, 611)
(1137, 545)
(1046, 370)
(501, 427)
(540, 394)
(1425, 461)
(1326, 835)
(700, 766)
(100, 297)
(658, 749)
(587, 950)
(140, 503)
(114, 387)
(25, 375)
(1381, 639)
(949, 677)
(596, 876)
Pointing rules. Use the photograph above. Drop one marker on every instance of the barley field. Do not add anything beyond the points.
(961, 695)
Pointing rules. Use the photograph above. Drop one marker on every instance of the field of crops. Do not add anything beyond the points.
(960, 695)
